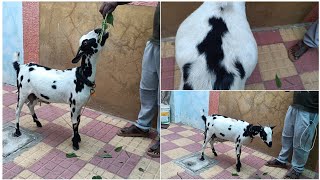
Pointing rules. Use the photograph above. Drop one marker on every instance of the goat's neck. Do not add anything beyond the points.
(252, 130)
(89, 67)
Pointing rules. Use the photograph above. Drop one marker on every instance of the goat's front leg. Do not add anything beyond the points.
(206, 140)
(212, 147)
(238, 152)
(75, 116)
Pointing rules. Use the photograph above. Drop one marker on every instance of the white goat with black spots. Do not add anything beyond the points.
(237, 131)
(215, 48)
(37, 83)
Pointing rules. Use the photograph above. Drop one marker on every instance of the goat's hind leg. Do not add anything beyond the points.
(33, 100)
(21, 101)
(206, 140)
(212, 147)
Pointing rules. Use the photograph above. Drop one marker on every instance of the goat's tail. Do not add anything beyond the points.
(204, 118)
(15, 63)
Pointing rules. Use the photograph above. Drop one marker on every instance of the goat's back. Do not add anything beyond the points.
(215, 41)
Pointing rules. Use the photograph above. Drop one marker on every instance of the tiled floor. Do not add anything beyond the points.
(47, 159)
(180, 140)
(272, 60)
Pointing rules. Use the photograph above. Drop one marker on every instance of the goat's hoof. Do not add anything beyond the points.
(75, 147)
(38, 123)
(238, 169)
(202, 159)
(215, 154)
(17, 133)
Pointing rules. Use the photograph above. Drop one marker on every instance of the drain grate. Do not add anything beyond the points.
(14, 146)
(193, 164)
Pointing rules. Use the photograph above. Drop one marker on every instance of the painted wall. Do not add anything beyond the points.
(12, 35)
(186, 106)
(119, 67)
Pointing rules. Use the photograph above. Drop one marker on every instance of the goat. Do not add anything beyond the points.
(215, 48)
(237, 131)
(38, 83)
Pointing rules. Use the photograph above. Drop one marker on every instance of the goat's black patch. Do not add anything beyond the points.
(74, 102)
(28, 80)
(187, 86)
(31, 69)
(71, 114)
(73, 110)
(238, 139)
(211, 46)
(37, 65)
(186, 72)
(208, 123)
(70, 69)
(251, 130)
(46, 97)
(204, 118)
(225, 117)
(70, 99)
(229, 128)
(54, 87)
(87, 69)
(240, 69)
(21, 78)
(79, 85)
(16, 67)
(54, 81)
(222, 134)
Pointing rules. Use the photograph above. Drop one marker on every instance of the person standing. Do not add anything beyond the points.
(149, 83)
(298, 133)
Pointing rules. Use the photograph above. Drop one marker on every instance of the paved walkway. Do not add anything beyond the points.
(47, 159)
(272, 60)
(179, 140)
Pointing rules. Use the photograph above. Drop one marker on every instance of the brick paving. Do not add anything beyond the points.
(272, 60)
(47, 159)
(253, 162)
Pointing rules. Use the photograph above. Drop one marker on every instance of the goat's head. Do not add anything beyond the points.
(266, 135)
(89, 44)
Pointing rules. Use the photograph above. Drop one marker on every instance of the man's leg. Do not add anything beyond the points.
(148, 95)
(287, 140)
(149, 86)
(311, 38)
(303, 139)
(287, 135)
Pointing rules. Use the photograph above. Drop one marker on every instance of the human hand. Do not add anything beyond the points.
(107, 7)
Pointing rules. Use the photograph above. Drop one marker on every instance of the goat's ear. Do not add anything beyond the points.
(272, 127)
(78, 56)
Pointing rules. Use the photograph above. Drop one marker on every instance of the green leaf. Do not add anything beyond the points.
(96, 177)
(265, 173)
(234, 174)
(105, 155)
(140, 169)
(71, 155)
(117, 149)
(278, 82)
(110, 19)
